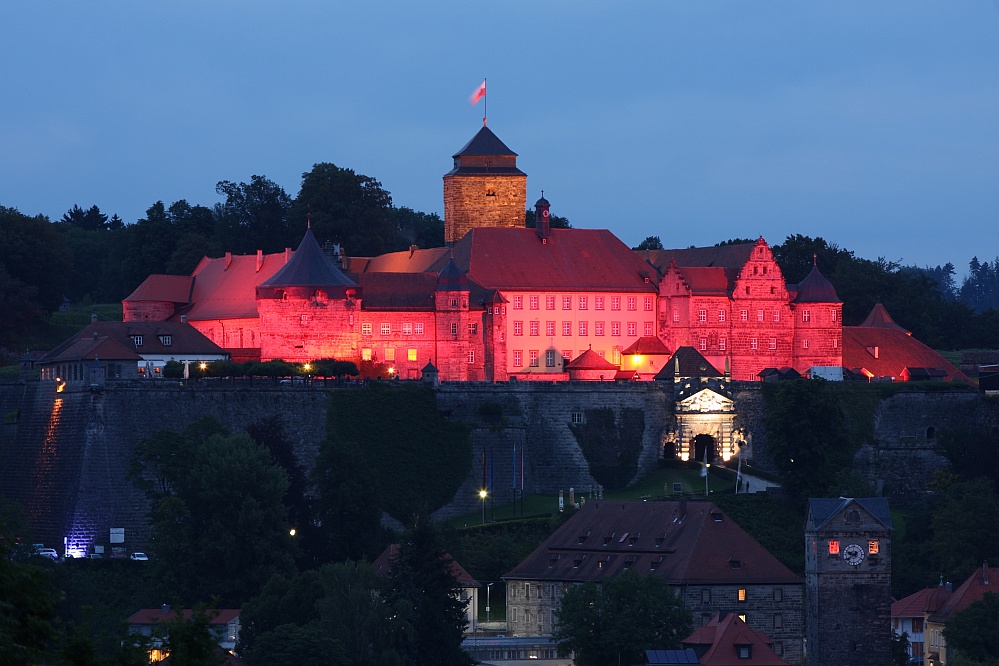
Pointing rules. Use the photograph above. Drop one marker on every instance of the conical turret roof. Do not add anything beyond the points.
(815, 288)
(310, 267)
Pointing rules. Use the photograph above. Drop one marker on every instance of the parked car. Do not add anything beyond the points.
(48, 552)
(138, 556)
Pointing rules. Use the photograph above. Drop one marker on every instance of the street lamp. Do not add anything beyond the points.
(482, 495)
(489, 588)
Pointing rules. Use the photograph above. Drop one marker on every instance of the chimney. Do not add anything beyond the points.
(183, 319)
(287, 254)
(985, 573)
(260, 259)
(228, 260)
(93, 317)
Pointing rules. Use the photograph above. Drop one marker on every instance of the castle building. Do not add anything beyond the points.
(503, 301)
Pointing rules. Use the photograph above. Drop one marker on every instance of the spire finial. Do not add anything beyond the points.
(815, 259)
(308, 220)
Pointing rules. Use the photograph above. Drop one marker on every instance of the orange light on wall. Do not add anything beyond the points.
(873, 547)
(834, 547)
(636, 360)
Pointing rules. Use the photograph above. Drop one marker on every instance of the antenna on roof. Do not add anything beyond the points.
(308, 220)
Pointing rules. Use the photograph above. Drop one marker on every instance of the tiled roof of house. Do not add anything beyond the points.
(164, 288)
(113, 340)
(879, 318)
(927, 600)
(648, 345)
(707, 280)
(89, 348)
(815, 288)
(970, 591)
(226, 288)
(571, 260)
(590, 360)
(309, 267)
(727, 260)
(408, 261)
(684, 542)
(383, 564)
(821, 509)
(398, 291)
(687, 362)
(721, 639)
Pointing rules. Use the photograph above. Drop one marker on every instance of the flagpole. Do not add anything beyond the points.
(485, 101)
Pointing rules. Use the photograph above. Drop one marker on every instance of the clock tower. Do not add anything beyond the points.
(848, 581)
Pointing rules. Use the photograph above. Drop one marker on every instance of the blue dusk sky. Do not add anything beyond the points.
(874, 125)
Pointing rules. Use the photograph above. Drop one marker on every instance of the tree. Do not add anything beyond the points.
(899, 648)
(347, 208)
(254, 216)
(650, 243)
(27, 608)
(348, 507)
(614, 623)
(422, 580)
(958, 513)
(974, 632)
(420, 229)
(90, 220)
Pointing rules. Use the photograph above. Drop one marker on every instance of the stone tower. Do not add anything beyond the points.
(484, 189)
(848, 581)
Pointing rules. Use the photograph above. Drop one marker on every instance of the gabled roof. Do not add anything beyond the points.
(687, 362)
(225, 288)
(984, 579)
(878, 317)
(159, 616)
(164, 288)
(383, 565)
(113, 340)
(727, 260)
(885, 349)
(721, 638)
(309, 267)
(707, 280)
(414, 260)
(684, 542)
(648, 345)
(590, 360)
(927, 600)
(571, 260)
(822, 509)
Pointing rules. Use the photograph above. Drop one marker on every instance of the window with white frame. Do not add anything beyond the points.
(549, 302)
(567, 355)
(598, 302)
(615, 328)
(722, 344)
(550, 358)
(454, 328)
(632, 328)
(473, 328)
(518, 358)
(773, 344)
(615, 302)
(806, 315)
(582, 328)
(804, 343)
(407, 328)
(648, 304)
(648, 329)
(535, 327)
(385, 328)
(518, 328)
(518, 302)
(567, 302)
(676, 316)
(754, 343)
(704, 344)
(759, 315)
(566, 328)
(616, 355)
(582, 302)
(776, 315)
(418, 328)
(598, 328)
(471, 356)
(744, 315)
(366, 328)
(702, 315)
(632, 303)
(389, 353)
(549, 328)
(534, 358)
(533, 302)
(721, 315)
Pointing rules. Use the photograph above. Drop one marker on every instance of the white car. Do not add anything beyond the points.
(48, 552)
(138, 556)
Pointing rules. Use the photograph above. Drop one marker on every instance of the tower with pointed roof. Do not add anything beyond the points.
(818, 323)
(484, 189)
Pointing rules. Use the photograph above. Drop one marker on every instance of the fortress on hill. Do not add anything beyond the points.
(501, 301)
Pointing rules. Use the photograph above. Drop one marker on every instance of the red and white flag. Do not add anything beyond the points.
(479, 93)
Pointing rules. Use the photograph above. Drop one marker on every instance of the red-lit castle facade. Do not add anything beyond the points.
(501, 300)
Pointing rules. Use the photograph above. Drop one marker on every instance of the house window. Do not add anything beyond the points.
(615, 302)
(473, 328)
(835, 343)
(648, 329)
(648, 304)
(743, 315)
(778, 621)
(518, 302)
(702, 315)
(518, 328)
(549, 328)
(778, 594)
(582, 328)
(304, 319)
(534, 358)
(567, 355)
(806, 315)
(704, 344)
(721, 315)
(549, 302)
(137, 340)
(616, 355)
(389, 353)
(804, 344)
(598, 328)
(834, 547)
(471, 356)
(598, 302)
(533, 301)
(615, 328)
(418, 328)
(873, 546)
(513, 614)
(676, 316)
(632, 303)
(917, 625)
(773, 344)
(632, 329)
(385, 329)
(550, 358)
(744, 651)
(366, 328)
(566, 328)
(742, 594)
(582, 302)
(535, 327)
(705, 596)
(167, 340)
(722, 343)
(753, 343)
(454, 302)
(567, 302)
(577, 418)
(759, 315)
(776, 315)
(411, 354)
(366, 354)
(518, 358)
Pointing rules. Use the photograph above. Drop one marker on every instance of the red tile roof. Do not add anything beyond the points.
(383, 566)
(896, 351)
(113, 340)
(879, 318)
(684, 542)
(724, 635)
(165, 288)
(647, 346)
(571, 260)
(224, 291)
(706, 280)
(590, 360)
(408, 261)
(985, 579)
(398, 291)
(929, 599)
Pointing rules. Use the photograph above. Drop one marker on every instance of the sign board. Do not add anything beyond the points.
(99, 550)
(117, 535)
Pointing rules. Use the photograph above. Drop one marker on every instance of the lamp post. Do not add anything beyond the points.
(489, 588)
(482, 495)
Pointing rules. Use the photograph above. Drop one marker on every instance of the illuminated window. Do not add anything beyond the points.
(533, 302)
(632, 303)
(549, 328)
(773, 344)
(454, 328)
(632, 328)
(806, 315)
(648, 303)
(471, 356)
(366, 328)
(137, 340)
(615, 302)
(534, 327)
(518, 328)
(549, 302)
(676, 316)
(648, 329)
(616, 355)
(702, 315)
(582, 302)
(742, 594)
(598, 302)
(598, 328)
(366, 354)
(518, 358)
(582, 328)
(550, 358)
(567, 302)
(834, 547)
(167, 340)
(743, 315)
(872, 547)
(534, 358)
(753, 343)
(389, 353)
(615, 328)
(418, 328)
(518, 302)
(385, 328)
(411, 354)
(722, 343)
(566, 328)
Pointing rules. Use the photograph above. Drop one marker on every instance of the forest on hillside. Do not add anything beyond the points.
(86, 257)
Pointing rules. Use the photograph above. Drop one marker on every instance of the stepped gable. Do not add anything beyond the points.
(177, 289)
(880, 348)
(570, 260)
(815, 288)
(484, 154)
(308, 270)
(728, 260)
(226, 287)
(685, 542)
(718, 643)
(687, 362)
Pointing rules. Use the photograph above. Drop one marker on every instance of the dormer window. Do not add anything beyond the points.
(744, 651)
(166, 340)
(137, 340)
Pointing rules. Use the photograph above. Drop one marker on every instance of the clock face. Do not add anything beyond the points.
(853, 554)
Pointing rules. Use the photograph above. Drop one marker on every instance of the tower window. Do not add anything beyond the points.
(834, 547)
(873, 546)
(742, 594)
